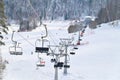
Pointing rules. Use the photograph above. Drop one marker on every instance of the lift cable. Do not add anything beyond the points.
(34, 11)
(26, 40)
(23, 37)
(51, 36)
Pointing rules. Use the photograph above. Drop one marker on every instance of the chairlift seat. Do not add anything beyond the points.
(55, 66)
(72, 53)
(12, 52)
(75, 48)
(19, 53)
(42, 49)
(66, 66)
(16, 53)
(41, 64)
(60, 64)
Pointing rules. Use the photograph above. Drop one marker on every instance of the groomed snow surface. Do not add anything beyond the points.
(98, 60)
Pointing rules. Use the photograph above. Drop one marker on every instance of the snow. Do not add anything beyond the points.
(98, 60)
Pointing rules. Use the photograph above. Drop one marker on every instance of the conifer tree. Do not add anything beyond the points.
(3, 27)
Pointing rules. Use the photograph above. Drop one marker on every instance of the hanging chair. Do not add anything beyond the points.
(15, 49)
(40, 63)
(41, 46)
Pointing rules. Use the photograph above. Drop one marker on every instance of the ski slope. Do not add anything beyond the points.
(98, 60)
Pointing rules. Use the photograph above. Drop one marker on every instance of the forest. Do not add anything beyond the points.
(52, 9)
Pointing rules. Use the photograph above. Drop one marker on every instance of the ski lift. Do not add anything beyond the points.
(15, 49)
(40, 63)
(39, 48)
(75, 48)
(53, 60)
(41, 43)
(79, 39)
(66, 66)
(72, 53)
(82, 32)
(59, 64)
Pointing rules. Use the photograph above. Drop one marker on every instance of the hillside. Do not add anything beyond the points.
(98, 60)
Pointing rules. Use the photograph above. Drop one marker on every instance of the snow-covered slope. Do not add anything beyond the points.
(98, 60)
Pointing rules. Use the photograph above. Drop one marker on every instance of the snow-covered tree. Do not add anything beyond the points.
(110, 12)
(54, 9)
(3, 28)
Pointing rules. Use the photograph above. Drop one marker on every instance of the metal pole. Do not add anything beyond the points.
(42, 42)
(46, 34)
(65, 69)
(56, 68)
(56, 73)
(15, 42)
(78, 43)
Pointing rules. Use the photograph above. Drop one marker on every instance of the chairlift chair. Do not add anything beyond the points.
(72, 53)
(59, 64)
(15, 49)
(66, 66)
(41, 43)
(39, 46)
(75, 48)
(40, 63)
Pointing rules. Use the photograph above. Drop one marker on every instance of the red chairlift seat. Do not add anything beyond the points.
(41, 64)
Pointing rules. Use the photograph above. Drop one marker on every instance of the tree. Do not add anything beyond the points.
(111, 12)
(3, 27)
